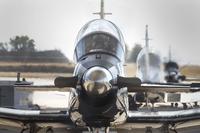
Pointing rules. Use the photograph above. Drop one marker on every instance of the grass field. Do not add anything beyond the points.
(35, 64)
(42, 74)
(188, 70)
(34, 75)
(130, 70)
(191, 71)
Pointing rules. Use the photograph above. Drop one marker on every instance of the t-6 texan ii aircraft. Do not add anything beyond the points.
(98, 88)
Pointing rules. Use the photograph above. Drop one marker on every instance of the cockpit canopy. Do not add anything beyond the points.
(100, 36)
(149, 66)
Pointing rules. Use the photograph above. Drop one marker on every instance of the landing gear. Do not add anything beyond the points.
(31, 127)
(196, 105)
(97, 130)
(107, 129)
(49, 130)
(165, 128)
(148, 130)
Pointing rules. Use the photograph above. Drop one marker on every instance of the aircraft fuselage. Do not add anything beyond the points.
(99, 53)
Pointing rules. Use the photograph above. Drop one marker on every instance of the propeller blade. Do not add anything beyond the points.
(62, 82)
(128, 81)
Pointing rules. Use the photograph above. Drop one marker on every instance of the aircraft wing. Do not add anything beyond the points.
(34, 115)
(135, 85)
(153, 116)
(150, 116)
(163, 88)
(29, 119)
(10, 117)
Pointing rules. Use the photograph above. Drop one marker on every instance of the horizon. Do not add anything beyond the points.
(52, 25)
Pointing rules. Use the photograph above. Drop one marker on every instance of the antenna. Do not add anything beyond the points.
(147, 37)
(102, 12)
(146, 71)
(170, 53)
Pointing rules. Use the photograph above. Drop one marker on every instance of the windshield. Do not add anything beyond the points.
(99, 42)
(149, 68)
(100, 25)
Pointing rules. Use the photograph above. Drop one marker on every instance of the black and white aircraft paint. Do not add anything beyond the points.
(172, 71)
(98, 88)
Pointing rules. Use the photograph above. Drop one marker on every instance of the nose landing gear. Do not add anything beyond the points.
(98, 130)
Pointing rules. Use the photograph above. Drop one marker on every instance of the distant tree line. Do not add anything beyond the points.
(18, 44)
(22, 48)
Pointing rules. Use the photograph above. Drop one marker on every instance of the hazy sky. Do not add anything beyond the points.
(54, 24)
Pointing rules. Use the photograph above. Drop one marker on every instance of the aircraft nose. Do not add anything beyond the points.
(97, 81)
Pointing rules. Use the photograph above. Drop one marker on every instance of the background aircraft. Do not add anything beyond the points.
(150, 70)
(149, 63)
(172, 72)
